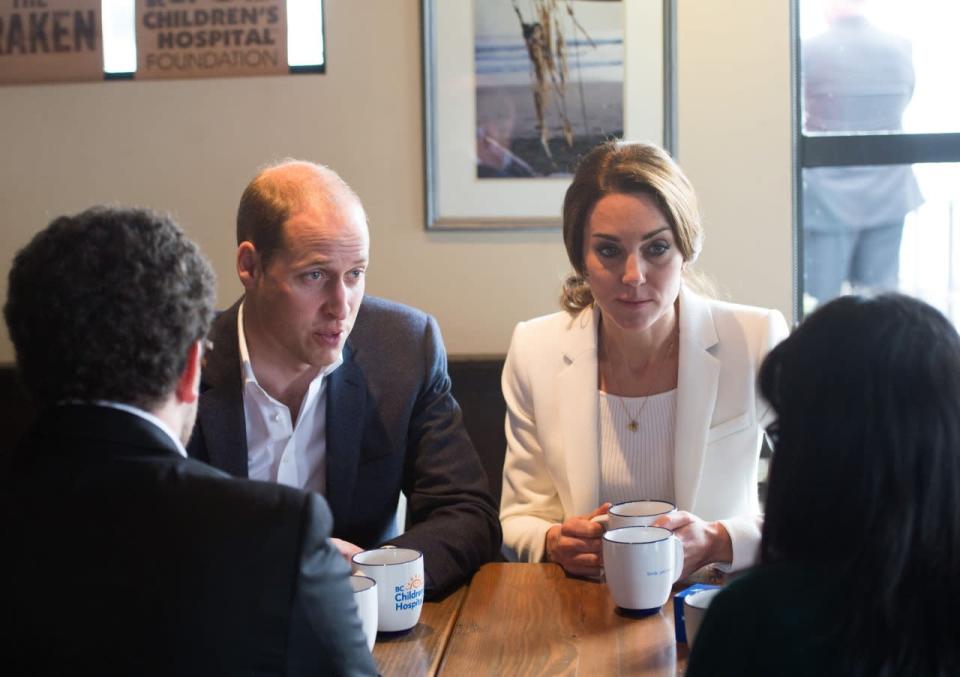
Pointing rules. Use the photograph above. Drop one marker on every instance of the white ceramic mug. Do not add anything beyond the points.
(640, 513)
(694, 609)
(640, 565)
(365, 595)
(400, 585)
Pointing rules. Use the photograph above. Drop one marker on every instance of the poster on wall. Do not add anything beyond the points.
(516, 91)
(211, 38)
(549, 84)
(50, 41)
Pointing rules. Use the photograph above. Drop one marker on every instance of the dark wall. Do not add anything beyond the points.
(476, 385)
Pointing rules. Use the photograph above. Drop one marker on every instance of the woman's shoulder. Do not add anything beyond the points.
(774, 619)
(794, 588)
(544, 345)
(768, 576)
(756, 324)
(553, 325)
(741, 311)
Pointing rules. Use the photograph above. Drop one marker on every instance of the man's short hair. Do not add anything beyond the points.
(264, 207)
(268, 201)
(104, 305)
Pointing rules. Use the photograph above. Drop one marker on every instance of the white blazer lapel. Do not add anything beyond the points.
(577, 385)
(697, 378)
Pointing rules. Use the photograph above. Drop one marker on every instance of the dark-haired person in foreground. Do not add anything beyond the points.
(861, 543)
(312, 384)
(120, 555)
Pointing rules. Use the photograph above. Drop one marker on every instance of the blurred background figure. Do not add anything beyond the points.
(861, 539)
(496, 119)
(855, 78)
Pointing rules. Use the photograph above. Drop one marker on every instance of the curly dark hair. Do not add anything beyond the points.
(104, 306)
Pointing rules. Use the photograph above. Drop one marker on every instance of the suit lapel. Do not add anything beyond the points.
(697, 379)
(346, 402)
(577, 385)
(225, 430)
(221, 403)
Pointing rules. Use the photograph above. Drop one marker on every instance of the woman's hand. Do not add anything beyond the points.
(576, 544)
(703, 542)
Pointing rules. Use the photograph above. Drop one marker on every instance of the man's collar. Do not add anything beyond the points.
(136, 411)
(247, 374)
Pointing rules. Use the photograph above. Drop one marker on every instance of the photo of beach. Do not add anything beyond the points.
(549, 83)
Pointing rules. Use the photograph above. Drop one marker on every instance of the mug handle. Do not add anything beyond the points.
(677, 558)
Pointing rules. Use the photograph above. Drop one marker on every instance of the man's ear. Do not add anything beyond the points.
(248, 264)
(188, 384)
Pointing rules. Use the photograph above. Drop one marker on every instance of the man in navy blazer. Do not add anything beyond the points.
(121, 555)
(311, 384)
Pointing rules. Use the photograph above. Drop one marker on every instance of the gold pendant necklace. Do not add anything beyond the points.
(634, 423)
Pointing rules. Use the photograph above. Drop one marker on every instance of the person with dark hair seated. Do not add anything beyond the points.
(121, 556)
(860, 552)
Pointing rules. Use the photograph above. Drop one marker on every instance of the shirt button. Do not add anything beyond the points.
(286, 459)
(276, 418)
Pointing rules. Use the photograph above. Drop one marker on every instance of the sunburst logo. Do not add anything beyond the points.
(409, 595)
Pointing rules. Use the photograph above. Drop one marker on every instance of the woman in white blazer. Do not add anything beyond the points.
(641, 388)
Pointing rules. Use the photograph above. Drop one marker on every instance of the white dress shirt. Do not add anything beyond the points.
(279, 449)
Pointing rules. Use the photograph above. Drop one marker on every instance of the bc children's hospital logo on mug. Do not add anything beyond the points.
(400, 588)
(409, 595)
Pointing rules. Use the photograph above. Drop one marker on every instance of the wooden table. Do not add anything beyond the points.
(531, 619)
(419, 651)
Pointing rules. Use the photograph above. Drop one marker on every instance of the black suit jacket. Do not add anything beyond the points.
(392, 425)
(123, 557)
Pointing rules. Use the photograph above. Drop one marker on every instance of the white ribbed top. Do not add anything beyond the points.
(636, 465)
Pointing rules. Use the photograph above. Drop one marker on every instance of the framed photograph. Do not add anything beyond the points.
(515, 91)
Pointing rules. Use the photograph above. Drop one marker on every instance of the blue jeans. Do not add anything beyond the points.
(869, 259)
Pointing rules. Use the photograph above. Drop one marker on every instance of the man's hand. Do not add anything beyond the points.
(703, 542)
(347, 549)
(576, 544)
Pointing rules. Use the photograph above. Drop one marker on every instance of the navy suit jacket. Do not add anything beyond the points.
(123, 557)
(392, 425)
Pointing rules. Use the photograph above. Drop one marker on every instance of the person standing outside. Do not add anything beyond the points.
(856, 78)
